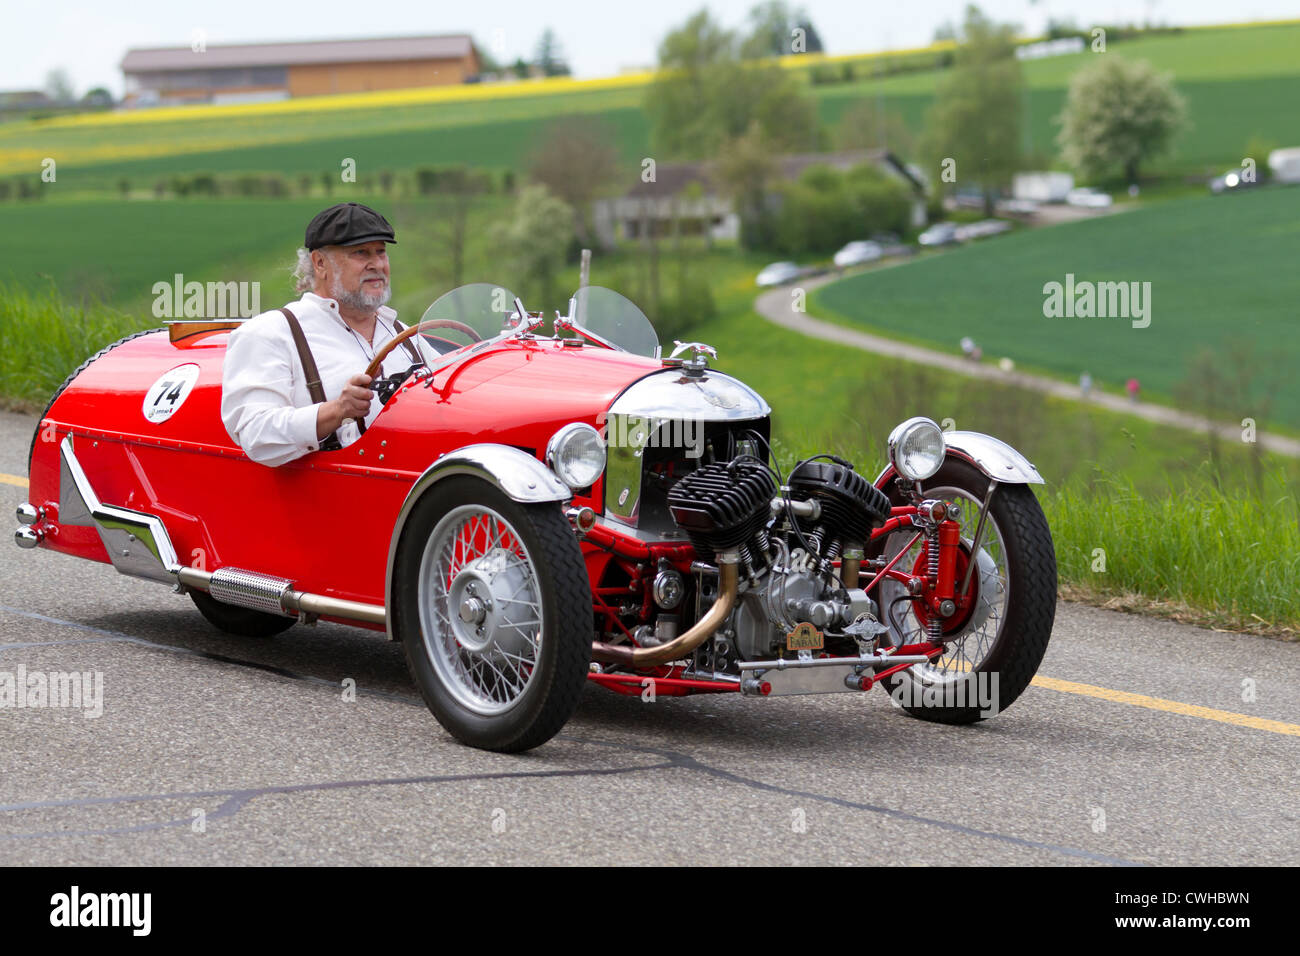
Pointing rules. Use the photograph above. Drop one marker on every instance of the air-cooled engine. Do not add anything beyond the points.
(793, 597)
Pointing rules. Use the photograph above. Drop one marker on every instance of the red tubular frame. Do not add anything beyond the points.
(632, 554)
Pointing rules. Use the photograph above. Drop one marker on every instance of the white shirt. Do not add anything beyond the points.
(265, 405)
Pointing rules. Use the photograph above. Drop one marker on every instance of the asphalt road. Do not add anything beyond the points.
(1135, 747)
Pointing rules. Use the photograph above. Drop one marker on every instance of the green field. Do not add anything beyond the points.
(1223, 273)
(77, 271)
(1241, 83)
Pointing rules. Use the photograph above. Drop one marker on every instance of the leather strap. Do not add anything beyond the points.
(410, 349)
(314, 388)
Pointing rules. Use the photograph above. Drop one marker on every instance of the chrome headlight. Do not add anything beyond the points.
(916, 448)
(577, 454)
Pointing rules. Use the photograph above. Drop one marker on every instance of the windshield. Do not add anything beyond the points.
(615, 318)
(484, 310)
(469, 314)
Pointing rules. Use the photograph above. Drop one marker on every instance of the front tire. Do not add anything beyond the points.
(492, 605)
(989, 664)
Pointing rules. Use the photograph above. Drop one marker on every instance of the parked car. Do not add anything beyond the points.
(940, 234)
(857, 253)
(981, 229)
(1232, 180)
(968, 198)
(529, 514)
(779, 273)
(1087, 198)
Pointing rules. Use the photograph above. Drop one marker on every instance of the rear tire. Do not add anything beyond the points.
(1024, 620)
(240, 621)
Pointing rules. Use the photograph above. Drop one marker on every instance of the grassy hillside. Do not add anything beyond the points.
(1240, 83)
(1222, 273)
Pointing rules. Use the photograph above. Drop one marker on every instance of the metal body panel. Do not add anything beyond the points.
(312, 519)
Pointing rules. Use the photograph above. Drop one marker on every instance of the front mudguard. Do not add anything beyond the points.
(990, 455)
(517, 474)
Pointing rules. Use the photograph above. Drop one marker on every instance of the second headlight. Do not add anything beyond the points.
(577, 454)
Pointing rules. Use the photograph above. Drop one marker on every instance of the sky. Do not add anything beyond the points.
(598, 37)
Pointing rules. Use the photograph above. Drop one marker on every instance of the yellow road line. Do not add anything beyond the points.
(13, 480)
(1168, 706)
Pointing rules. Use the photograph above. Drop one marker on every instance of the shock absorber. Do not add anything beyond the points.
(934, 624)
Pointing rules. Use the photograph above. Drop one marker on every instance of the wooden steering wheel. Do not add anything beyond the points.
(378, 361)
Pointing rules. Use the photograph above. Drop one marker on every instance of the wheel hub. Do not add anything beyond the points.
(491, 601)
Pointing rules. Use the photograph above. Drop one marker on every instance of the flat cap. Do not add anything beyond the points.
(348, 224)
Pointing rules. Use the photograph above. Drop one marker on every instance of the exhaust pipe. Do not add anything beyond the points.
(272, 595)
(683, 644)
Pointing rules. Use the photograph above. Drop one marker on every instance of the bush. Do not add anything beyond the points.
(826, 208)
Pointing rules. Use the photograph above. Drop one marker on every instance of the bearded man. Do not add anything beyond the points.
(291, 383)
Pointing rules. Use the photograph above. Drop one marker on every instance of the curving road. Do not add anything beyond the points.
(777, 305)
(1136, 745)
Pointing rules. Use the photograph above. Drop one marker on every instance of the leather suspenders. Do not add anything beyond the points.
(314, 388)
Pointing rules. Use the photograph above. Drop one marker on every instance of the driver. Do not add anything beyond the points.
(271, 404)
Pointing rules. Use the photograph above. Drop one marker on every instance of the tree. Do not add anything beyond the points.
(457, 190)
(534, 240)
(812, 41)
(59, 86)
(549, 57)
(576, 161)
(705, 95)
(1118, 114)
(744, 171)
(97, 98)
(975, 120)
(868, 125)
(696, 45)
(772, 32)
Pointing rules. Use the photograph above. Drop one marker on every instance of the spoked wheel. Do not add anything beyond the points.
(995, 647)
(493, 607)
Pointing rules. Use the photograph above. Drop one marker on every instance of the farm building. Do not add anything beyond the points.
(683, 197)
(268, 71)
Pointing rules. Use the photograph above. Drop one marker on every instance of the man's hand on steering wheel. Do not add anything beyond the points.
(353, 402)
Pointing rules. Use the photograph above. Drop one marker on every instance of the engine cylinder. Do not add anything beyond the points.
(851, 505)
(722, 505)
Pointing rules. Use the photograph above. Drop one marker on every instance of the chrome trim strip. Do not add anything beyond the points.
(136, 543)
(867, 661)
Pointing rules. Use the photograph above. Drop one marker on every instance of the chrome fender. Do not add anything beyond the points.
(994, 457)
(515, 473)
(990, 455)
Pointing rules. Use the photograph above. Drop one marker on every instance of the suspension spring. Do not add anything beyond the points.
(935, 625)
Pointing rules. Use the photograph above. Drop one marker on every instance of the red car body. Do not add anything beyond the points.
(320, 520)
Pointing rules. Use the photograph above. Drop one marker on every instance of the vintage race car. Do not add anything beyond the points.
(531, 513)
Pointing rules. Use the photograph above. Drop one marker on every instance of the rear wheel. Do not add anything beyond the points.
(992, 656)
(493, 607)
(241, 621)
